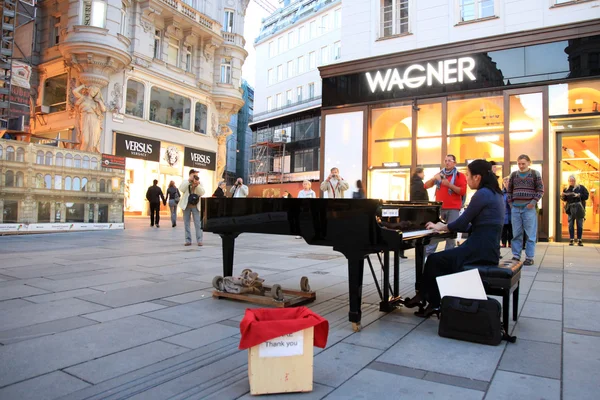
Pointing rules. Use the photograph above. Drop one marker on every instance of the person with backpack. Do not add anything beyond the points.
(173, 196)
(525, 189)
(191, 191)
(451, 187)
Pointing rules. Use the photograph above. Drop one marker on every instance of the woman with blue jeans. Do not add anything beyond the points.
(173, 196)
(574, 197)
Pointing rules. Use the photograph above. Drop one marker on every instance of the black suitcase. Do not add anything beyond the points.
(477, 321)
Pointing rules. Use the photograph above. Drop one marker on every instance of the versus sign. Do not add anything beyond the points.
(416, 75)
(202, 159)
(137, 147)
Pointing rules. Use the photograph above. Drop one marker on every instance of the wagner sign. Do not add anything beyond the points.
(137, 147)
(202, 159)
(416, 75)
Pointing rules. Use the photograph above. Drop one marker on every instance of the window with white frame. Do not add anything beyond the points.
(55, 38)
(311, 90)
(301, 35)
(324, 55)
(225, 71)
(270, 76)
(188, 58)
(272, 49)
(291, 40)
(55, 93)
(173, 52)
(278, 100)
(157, 46)
(337, 50)
(337, 17)
(471, 10)
(324, 23)
(313, 29)
(134, 98)
(280, 45)
(279, 73)
(269, 103)
(169, 108)
(290, 69)
(312, 60)
(394, 17)
(299, 94)
(201, 118)
(288, 97)
(124, 20)
(228, 21)
(94, 13)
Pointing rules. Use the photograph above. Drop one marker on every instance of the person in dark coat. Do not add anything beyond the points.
(483, 218)
(507, 227)
(574, 197)
(154, 196)
(417, 187)
(220, 192)
(360, 191)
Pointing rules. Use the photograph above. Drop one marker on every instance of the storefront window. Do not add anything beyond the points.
(103, 213)
(429, 134)
(201, 118)
(20, 154)
(43, 211)
(391, 134)
(59, 159)
(11, 211)
(169, 108)
(574, 98)
(55, 93)
(134, 102)
(526, 117)
(74, 212)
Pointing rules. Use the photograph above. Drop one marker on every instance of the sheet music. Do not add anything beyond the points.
(410, 235)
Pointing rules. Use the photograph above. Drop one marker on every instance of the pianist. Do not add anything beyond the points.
(483, 218)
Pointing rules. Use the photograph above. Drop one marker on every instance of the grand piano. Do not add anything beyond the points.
(354, 227)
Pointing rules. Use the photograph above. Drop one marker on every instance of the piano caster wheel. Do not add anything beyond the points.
(276, 292)
(217, 283)
(304, 286)
(356, 326)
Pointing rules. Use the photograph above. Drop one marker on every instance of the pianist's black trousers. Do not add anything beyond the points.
(480, 247)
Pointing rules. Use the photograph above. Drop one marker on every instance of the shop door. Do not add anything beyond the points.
(390, 184)
(578, 155)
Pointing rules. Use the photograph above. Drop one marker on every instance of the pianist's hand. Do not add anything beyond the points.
(439, 227)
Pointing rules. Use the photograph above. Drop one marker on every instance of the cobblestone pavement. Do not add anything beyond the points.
(129, 314)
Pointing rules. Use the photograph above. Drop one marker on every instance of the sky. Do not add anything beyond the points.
(252, 22)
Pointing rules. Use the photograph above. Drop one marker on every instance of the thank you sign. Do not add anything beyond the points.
(202, 159)
(283, 346)
(137, 147)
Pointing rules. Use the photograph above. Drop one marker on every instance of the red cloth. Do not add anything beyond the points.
(262, 324)
(452, 201)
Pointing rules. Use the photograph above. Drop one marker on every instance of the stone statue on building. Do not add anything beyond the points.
(90, 112)
(221, 135)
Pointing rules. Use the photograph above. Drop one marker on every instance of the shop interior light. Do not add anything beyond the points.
(483, 128)
(429, 143)
(579, 101)
(487, 138)
(592, 156)
(399, 144)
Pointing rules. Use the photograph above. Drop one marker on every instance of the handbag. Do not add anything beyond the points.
(470, 320)
(176, 197)
(194, 198)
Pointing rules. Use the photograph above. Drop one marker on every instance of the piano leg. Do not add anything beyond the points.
(356, 264)
(419, 255)
(228, 240)
(396, 273)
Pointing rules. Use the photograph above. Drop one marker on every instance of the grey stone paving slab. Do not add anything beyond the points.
(581, 314)
(544, 296)
(39, 313)
(88, 281)
(371, 384)
(203, 336)
(511, 386)
(549, 276)
(534, 358)
(338, 363)
(200, 313)
(318, 392)
(73, 347)
(15, 291)
(47, 298)
(42, 329)
(15, 303)
(549, 286)
(122, 285)
(78, 274)
(45, 387)
(456, 381)
(543, 311)
(122, 312)
(581, 367)
(104, 368)
(541, 330)
(404, 316)
(584, 288)
(423, 349)
(140, 294)
(397, 370)
(380, 334)
(191, 296)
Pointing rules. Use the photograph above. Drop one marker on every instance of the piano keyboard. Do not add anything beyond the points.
(412, 234)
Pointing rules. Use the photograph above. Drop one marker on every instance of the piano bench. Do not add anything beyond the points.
(502, 280)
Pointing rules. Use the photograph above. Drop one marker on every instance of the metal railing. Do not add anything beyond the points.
(286, 107)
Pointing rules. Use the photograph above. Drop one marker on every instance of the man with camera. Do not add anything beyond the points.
(239, 189)
(191, 191)
(334, 185)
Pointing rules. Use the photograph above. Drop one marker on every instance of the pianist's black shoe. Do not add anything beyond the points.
(414, 302)
(428, 312)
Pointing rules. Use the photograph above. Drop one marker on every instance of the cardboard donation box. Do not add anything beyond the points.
(280, 348)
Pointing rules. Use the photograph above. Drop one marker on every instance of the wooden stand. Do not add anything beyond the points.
(282, 374)
(293, 298)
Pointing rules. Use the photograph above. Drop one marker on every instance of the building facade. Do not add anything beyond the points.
(238, 144)
(155, 82)
(293, 43)
(495, 91)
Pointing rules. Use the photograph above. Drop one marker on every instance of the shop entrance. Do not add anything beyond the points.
(390, 184)
(578, 155)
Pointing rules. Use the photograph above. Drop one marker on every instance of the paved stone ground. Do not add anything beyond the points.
(113, 315)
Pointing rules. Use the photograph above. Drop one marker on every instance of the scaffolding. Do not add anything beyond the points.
(270, 161)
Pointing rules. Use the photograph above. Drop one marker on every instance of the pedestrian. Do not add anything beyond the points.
(507, 227)
(191, 191)
(334, 185)
(306, 192)
(154, 194)
(360, 192)
(574, 197)
(451, 187)
(220, 191)
(173, 197)
(239, 189)
(525, 189)
(417, 187)
(286, 195)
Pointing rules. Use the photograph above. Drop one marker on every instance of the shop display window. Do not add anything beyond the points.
(102, 213)
(134, 100)
(10, 212)
(391, 133)
(525, 129)
(74, 212)
(44, 211)
(429, 134)
(582, 97)
(169, 108)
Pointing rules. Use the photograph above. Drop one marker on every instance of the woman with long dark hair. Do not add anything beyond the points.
(173, 196)
(483, 219)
